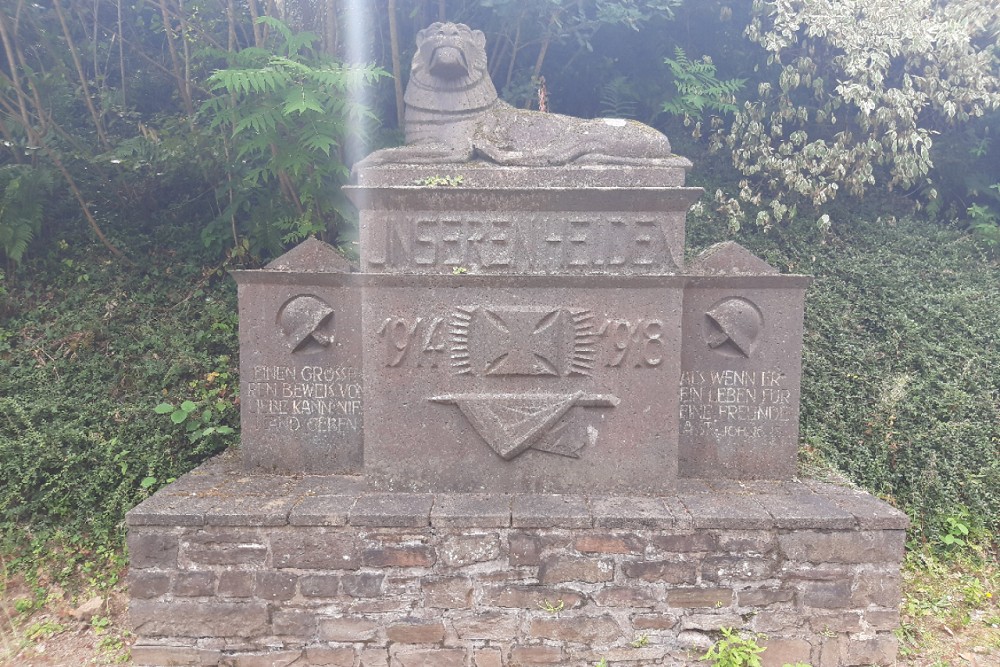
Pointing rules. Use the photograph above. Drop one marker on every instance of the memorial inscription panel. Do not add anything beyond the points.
(543, 384)
(739, 383)
(301, 384)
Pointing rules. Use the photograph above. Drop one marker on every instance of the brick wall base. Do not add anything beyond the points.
(237, 570)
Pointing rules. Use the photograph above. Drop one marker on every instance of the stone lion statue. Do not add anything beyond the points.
(453, 114)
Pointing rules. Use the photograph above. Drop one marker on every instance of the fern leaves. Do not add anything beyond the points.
(699, 88)
(288, 111)
(22, 191)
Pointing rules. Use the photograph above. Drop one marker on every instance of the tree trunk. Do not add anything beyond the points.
(84, 86)
(331, 30)
(397, 72)
(182, 87)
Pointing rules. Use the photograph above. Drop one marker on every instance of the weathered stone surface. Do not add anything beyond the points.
(565, 569)
(763, 597)
(374, 658)
(460, 550)
(535, 655)
(275, 585)
(469, 510)
(152, 549)
(700, 597)
(624, 596)
(235, 584)
(548, 511)
(429, 658)
(322, 511)
(785, 652)
(447, 593)
(225, 546)
(826, 594)
(414, 631)
(346, 629)
(685, 542)
(410, 556)
(319, 585)
(801, 510)
(717, 569)
(578, 629)
(363, 585)
(843, 546)
(609, 544)
(654, 622)
(392, 510)
(668, 571)
(747, 541)
(329, 657)
(169, 656)
(487, 657)
(870, 512)
(294, 622)
(630, 512)
(524, 549)
(726, 511)
(145, 585)
(316, 549)
(194, 584)
(874, 651)
(500, 626)
(531, 597)
(198, 619)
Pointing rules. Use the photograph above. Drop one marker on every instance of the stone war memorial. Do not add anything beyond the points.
(525, 431)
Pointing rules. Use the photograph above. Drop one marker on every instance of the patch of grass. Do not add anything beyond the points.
(949, 603)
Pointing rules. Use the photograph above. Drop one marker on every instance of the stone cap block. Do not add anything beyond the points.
(624, 512)
(471, 510)
(870, 512)
(669, 173)
(392, 510)
(221, 493)
(322, 510)
(551, 511)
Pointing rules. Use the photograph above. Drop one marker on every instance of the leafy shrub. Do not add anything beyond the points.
(900, 388)
(861, 87)
(289, 110)
(85, 364)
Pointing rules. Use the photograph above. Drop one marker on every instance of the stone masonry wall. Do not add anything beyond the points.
(235, 570)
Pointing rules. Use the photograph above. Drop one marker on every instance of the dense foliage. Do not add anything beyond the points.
(147, 146)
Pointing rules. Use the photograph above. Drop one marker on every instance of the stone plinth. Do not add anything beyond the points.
(232, 569)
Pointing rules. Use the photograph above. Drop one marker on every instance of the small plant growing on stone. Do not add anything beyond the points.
(551, 608)
(438, 181)
(641, 641)
(459, 270)
(602, 663)
(734, 650)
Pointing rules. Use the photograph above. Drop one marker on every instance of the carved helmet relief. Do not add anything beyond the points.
(733, 327)
(307, 323)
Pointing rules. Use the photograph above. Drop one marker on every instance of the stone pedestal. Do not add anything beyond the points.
(523, 433)
(235, 569)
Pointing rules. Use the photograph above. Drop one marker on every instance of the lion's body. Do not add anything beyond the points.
(453, 114)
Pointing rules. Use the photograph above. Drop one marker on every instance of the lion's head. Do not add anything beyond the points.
(449, 70)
